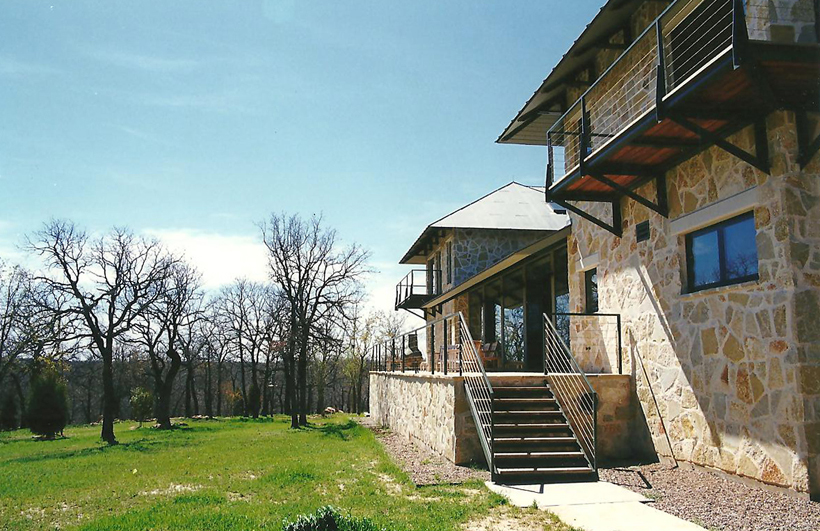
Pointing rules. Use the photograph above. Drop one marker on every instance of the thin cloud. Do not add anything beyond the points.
(145, 63)
(11, 67)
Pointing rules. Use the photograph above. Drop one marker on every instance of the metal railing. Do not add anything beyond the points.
(418, 282)
(572, 390)
(682, 41)
(454, 353)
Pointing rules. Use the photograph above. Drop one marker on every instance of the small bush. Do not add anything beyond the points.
(47, 402)
(142, 404)
(330, 519)
(8, 413)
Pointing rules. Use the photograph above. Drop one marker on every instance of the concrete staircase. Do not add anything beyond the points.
(532, 440)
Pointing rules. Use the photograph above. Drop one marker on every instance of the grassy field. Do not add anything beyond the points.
(222, 474)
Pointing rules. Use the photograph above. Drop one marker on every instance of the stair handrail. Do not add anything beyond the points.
(572, 391)
(479, 392)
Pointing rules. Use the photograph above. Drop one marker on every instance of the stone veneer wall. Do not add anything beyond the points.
(735, 370)
(476, 250)
(429, 409)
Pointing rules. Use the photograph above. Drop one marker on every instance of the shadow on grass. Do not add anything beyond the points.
(340, 431)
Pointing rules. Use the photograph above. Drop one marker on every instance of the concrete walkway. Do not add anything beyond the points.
(595, 506)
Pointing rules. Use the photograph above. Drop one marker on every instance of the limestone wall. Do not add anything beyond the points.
(476, 250)
(429, 409)
(735, 369)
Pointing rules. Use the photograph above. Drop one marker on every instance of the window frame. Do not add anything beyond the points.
(719, 229)
(588, 302)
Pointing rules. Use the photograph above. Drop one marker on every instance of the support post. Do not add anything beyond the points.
(392, 354)
(660, 82)
(444, 339)
(620, 348)
(403, 351)
(583, 140)
(432, 349)
(740, 34)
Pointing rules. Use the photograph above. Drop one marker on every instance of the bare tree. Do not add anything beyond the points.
(14, 288)
(318, 280)
(243, 305)
(111, 281)
(159, 331)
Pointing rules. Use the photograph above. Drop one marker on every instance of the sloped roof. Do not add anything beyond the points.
(542, 110)
(512, 207)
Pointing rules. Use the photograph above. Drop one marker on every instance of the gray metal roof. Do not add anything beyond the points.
(543, 109)
(512, 207)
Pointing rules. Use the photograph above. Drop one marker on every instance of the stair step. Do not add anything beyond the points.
(528, 417)
(525, 475)
(539, 455)
(525, 404)
(522, 392)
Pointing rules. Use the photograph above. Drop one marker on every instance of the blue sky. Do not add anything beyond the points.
(193, 120)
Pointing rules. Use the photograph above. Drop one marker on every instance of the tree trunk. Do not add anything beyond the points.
(164, 389)
(219, 388)
(109, 398)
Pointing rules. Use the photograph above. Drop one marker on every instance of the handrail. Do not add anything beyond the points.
(572, 391)
(617, 316)
(470, 366)
(409, 286)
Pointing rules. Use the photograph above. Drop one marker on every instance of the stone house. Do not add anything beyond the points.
(682, 140)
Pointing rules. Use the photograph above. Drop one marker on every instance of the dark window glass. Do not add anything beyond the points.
(722, 254)
(591, 290)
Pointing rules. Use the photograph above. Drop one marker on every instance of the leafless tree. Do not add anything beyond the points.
(14, 289)
(159, 331)
(110, 281)
(319, 280)
(243, 305)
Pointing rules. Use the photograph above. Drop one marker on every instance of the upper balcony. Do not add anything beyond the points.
(702, 71)
(417, 288)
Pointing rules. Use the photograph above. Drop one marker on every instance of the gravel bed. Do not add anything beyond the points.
(716, 502)
(424, 466)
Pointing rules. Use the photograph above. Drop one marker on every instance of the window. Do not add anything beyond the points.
(591, 290)
(722, 254)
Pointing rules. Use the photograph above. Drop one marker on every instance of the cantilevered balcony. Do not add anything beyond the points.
(702, 71)
(417, 288)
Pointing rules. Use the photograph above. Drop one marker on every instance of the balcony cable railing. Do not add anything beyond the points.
(457, 353)
(681, 41)
(572, 391)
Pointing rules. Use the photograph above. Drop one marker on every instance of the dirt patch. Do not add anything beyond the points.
(424, 466)
(173, 488)
(507, 519)
(716, 502)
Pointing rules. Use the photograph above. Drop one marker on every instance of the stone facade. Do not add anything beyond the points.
(735, 370)
(429, 409)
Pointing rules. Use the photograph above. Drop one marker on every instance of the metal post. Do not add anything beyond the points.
(740, 34)
(595, 431)
(660, 85)
(444, 338)
(392, 354)
(620, 349)
(403, 351)
(583, 141)
(550, 167)
(490, 442)
(432, 349)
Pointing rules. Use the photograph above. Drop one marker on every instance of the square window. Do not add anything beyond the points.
(591, 290)
(723, 254)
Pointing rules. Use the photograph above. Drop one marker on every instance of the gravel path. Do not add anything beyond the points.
(716, 502)
(423, 465)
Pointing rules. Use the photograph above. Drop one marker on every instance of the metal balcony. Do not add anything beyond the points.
(417, 288)
(690, 80)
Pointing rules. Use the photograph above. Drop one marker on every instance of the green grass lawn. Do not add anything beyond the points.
(221, 474)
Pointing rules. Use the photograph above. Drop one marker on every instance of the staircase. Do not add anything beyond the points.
(532, 440)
